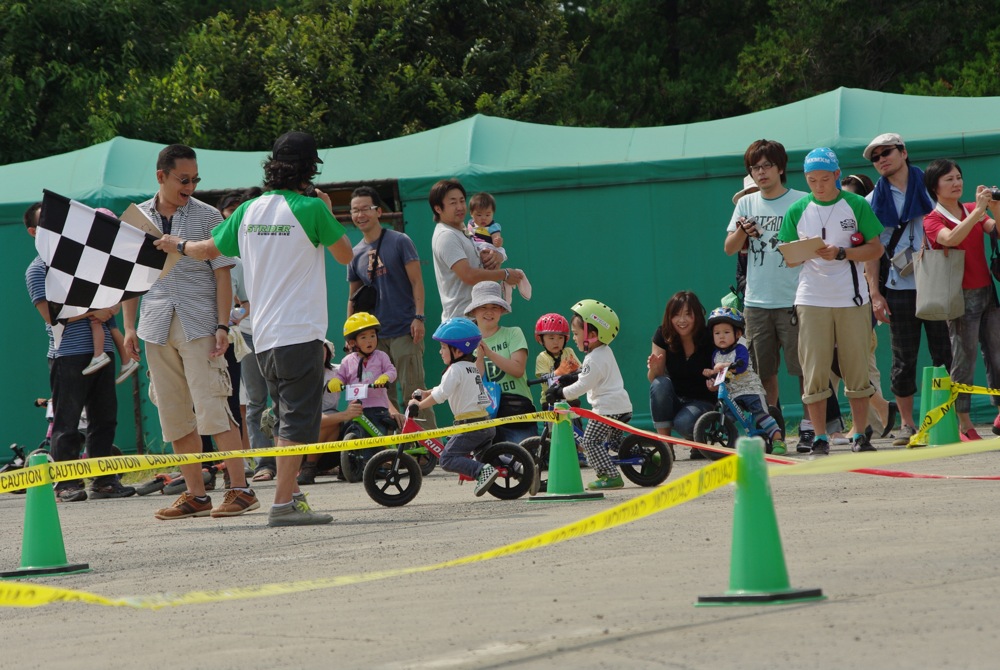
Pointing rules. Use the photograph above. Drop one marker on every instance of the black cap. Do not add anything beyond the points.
(294, 147)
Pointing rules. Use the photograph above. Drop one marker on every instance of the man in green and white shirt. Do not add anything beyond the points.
(832, 298)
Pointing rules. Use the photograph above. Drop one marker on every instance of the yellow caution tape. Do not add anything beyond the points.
(935, 414)
(687, 488)
(847, 462)
(116, 465)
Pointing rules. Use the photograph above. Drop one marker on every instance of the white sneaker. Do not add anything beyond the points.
(96, 363)
(127, 371)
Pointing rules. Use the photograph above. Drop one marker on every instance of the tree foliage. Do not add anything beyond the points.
(234, 74)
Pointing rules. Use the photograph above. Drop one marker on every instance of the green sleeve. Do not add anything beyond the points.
(315, 218)
(789, 231)
(868, 223)
(226, 234)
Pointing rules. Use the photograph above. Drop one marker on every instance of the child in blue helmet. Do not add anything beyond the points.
(745, 388)
(462, 386)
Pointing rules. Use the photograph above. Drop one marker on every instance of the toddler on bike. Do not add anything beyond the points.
(594, 326)
(745, 388)
(366, 364)
(462, 386)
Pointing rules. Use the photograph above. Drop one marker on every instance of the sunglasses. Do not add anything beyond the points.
(877, 157)
(186, 180)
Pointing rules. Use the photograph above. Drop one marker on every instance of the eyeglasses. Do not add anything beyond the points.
(186, 180)
(877, 157)
(763, 167)
(362, 210)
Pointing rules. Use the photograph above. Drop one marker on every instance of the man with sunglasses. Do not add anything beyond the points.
(900, 201)
(183, 321)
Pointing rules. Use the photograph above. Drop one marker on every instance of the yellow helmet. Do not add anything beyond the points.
(358, 322)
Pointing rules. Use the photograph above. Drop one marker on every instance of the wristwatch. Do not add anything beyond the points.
(419, 317)
(841, 254)
(180, 247)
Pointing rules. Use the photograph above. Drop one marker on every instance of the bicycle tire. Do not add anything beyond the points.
(657, 460)
(518, 465)
(714, 428)
(392, 482)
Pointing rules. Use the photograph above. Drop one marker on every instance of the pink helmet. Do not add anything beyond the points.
(551, 323)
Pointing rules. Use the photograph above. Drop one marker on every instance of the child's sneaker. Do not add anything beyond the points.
(778, 447)
(297, 514)
(127, 370)
(486, 477)
(607, 482)
(96, 363)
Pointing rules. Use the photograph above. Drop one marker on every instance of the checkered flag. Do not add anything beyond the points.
(94, 260)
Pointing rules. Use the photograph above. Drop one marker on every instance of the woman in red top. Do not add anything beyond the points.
(963, 226)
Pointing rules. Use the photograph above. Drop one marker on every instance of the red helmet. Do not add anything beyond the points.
(551, 323)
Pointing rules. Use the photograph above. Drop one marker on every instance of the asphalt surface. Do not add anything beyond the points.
(909, 566)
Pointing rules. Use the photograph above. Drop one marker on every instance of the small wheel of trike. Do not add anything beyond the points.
(517, 469)
(392, 478)
(715, 428)
(644, 461)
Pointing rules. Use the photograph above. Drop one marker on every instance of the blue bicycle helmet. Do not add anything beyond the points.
(459, 332)
(726, 315)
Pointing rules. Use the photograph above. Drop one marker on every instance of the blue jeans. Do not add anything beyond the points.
(457, 455)
(671, 411)
(72, 392)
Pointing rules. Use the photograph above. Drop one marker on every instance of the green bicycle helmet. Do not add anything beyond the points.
(601, 317)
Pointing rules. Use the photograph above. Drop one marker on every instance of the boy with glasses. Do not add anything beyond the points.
(770, 286)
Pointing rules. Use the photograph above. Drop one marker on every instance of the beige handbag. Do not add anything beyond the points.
(938, 273)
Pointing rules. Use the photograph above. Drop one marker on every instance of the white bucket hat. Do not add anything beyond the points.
(487, 293)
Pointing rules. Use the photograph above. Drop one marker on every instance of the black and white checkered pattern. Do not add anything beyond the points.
(94, 260)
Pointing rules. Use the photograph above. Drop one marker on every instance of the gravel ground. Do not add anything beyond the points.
(909, 567)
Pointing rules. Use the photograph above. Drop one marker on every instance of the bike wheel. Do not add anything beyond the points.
(644, 461)
(392, 479)
(716, 429)
(518, 465)
(425, 459)
(539, 450)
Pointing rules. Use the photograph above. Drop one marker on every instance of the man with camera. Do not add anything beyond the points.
(385, 280)
(900, 200)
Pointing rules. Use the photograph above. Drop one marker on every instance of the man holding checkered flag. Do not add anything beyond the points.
(71, 343)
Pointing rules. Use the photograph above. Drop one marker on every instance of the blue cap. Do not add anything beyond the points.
(822, 158)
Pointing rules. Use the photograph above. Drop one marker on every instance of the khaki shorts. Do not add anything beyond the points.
(189, 389)
(768, 332)
(847, 328)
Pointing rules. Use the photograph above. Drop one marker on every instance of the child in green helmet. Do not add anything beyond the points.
(594, 326)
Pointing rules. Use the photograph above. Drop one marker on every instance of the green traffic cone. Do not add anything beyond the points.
(565, 480)
(757, 572)
(944, 431)
(42, 550)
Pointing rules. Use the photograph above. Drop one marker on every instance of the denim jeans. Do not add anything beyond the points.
(72, 392)
(671, 411)
(979, 325)
(457, 455)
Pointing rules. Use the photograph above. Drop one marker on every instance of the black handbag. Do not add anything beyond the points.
(365, 299)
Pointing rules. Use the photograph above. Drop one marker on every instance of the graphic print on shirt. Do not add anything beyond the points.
(765, 244)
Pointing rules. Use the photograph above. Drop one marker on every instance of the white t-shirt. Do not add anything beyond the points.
(770, 283)
(825, 283)
(602, 381)
(462, 386)
(451, 246)
(281, 238)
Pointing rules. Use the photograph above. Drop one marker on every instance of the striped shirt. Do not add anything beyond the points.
(189, 287)
(77, 338)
